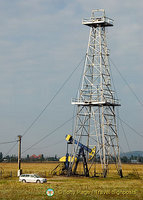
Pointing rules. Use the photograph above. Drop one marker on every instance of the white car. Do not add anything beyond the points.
(31, 178)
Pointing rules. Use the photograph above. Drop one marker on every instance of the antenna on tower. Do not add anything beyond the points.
(95, 125)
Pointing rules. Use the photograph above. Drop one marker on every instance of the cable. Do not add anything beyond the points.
(117, 98)
(125, 135)
(77, 93)
(112, 80)
(51, 145)
(39, 115)
(10, 149)
(8, 142)
(131, 127)
(139, 101)
(48, 135)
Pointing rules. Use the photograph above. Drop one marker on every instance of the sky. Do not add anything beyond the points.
(41, 43)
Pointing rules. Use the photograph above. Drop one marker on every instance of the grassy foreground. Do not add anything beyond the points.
(72, 188)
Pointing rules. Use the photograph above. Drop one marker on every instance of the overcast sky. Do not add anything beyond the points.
(41, 43)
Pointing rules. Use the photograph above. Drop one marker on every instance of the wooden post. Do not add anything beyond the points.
(19, 155)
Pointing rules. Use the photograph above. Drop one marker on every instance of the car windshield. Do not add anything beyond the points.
(36, 176)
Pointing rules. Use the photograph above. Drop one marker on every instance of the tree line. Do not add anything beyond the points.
(41, 158)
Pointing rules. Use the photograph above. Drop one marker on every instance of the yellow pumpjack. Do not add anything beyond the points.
(68, 159)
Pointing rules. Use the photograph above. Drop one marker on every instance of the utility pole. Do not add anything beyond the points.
(19, 155)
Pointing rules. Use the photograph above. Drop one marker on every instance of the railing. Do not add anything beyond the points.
(86, 101)
(99, 19)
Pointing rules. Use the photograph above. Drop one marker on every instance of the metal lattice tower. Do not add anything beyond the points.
(95, 118)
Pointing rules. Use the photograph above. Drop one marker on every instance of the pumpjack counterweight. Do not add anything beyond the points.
(95, 123)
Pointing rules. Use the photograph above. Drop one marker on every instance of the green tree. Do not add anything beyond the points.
(1, 156)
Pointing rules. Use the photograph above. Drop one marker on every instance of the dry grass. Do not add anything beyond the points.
(73, 188)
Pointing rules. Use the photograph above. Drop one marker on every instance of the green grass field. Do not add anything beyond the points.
(70, 188)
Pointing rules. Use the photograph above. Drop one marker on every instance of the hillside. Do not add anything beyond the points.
(132, 153)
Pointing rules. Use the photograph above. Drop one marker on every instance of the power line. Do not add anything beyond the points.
(11, 149)
(39, 115)
(117, 97)
(131, 127)
(48, 135)
(131, 89)
(8, 142)
(51, 145)
(125, 135)
(77, 94)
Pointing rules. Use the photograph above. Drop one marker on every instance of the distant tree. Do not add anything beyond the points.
(13, 158)
(1, 156)
(97, 159)
(124, 159)
(55, 158)
(7, 158)
(140, 159)
(42, 157)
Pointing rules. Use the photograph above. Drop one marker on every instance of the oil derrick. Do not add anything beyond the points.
(95, 123)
